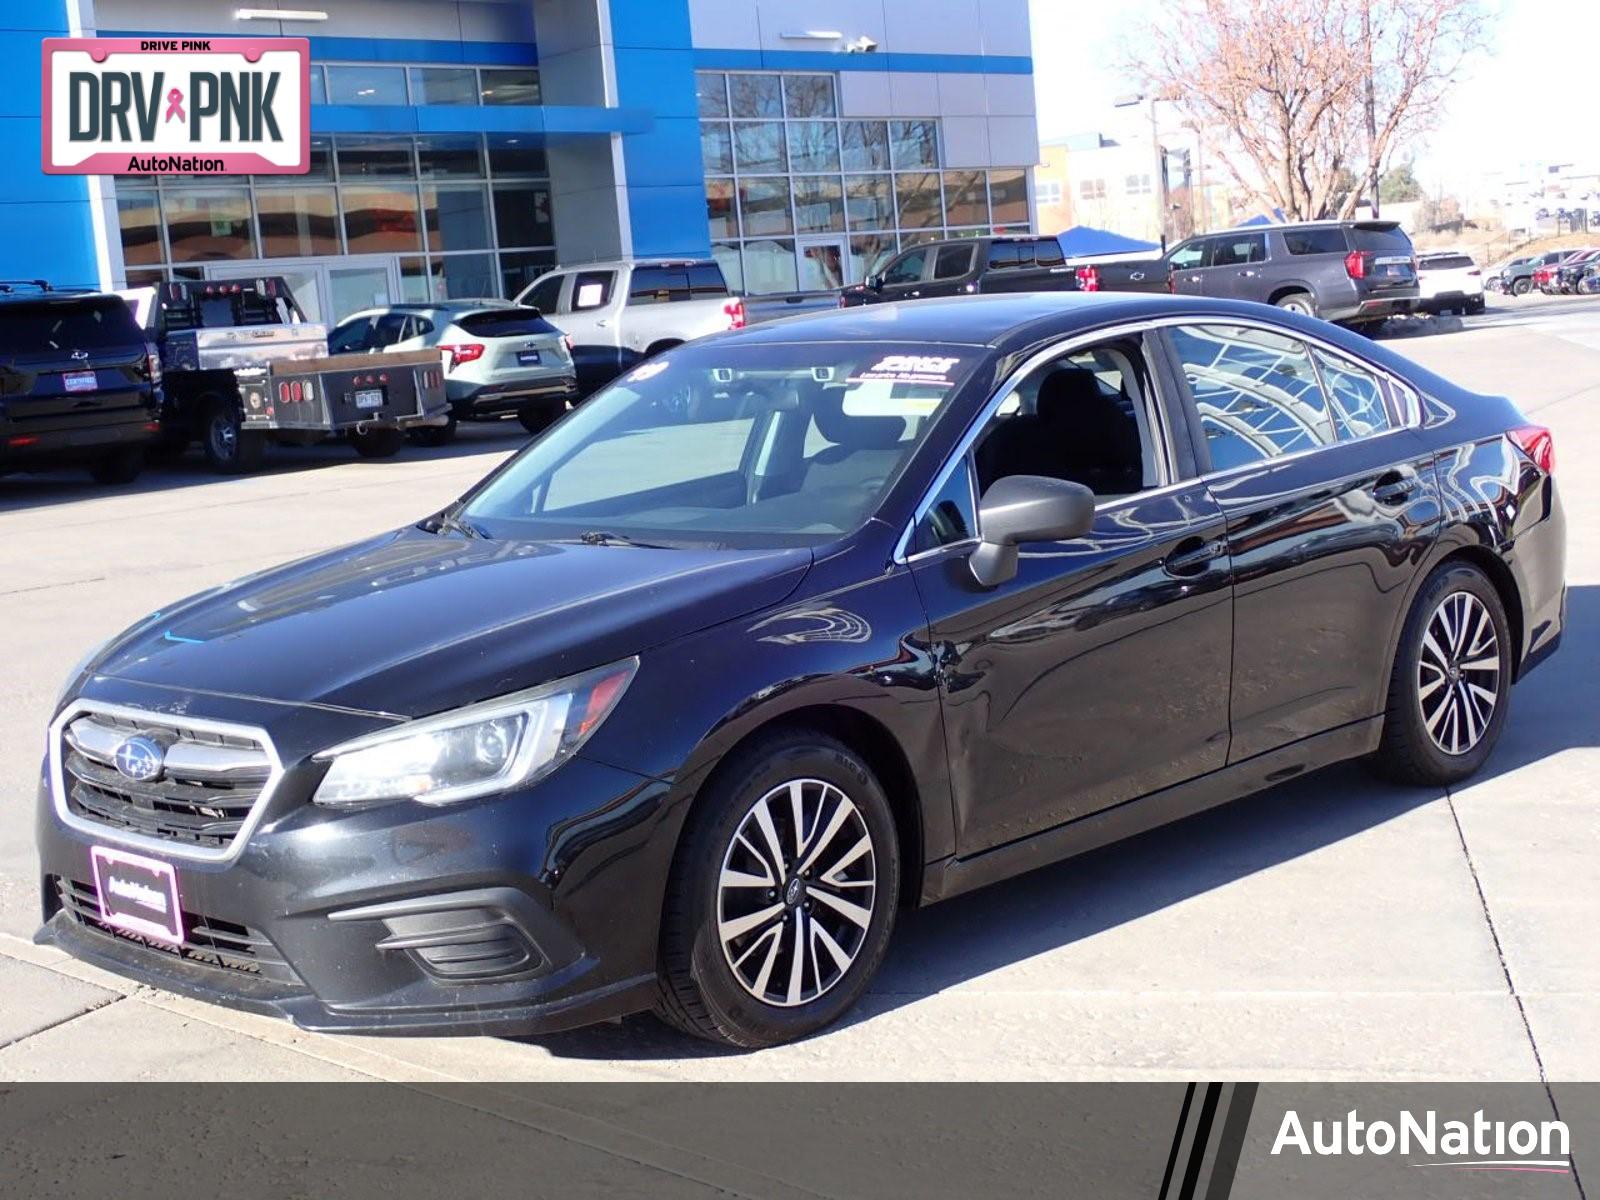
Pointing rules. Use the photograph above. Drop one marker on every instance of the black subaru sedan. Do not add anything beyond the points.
(789, 628)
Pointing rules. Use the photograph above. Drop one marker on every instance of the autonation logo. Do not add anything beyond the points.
(1475, 1145)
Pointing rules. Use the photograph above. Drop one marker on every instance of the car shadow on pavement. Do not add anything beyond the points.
(970, 936)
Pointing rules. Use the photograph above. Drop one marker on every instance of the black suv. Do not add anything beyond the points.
(78, 382)
(958, 266)
(1357, 272)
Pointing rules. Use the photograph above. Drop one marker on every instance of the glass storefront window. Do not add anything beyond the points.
(1008, 198)
(759, 147)
(755, 96)
(381, 220)
(414, 280)
(914, 144)
(711, 93)
(721, 215)
(727, 256)
(870, 251)
(512, 85)
(296, 222)
(366, 84)
(917, 194)
(446, 156)
(146, 278)
(813, 146)
(769, 266)
(444, 85)
(764, 206)
(514, 154)
(818, 204)
(209, 223)
(966, 200)
(463, 276)
(522, 267)
(375, 158)
(716, 147)
(321, 164)
(456, 218)
(318, 85)
(869, 201)
(866, 145)
(522, 216)
(808, 95)
(139, 217)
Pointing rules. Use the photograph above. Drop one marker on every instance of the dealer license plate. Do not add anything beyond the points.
(528, 358)
(138, 894)
(372, 398)
(80, 381)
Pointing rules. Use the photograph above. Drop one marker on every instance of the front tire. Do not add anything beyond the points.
(1450, 687)
(1521, 287)
(230, 449)
(782, 896)
(1298, 302)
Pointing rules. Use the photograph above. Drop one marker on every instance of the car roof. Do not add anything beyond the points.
(612, 264)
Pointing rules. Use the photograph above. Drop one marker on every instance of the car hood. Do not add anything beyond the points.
(412, 623)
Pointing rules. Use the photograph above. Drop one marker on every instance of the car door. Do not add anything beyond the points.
(904, 274)
(1101, 671)
(1233, 267)
(587, 314)
(1330, 502)
(1187, 266)
(952, 268)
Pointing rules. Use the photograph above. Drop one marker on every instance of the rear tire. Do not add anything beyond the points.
(1303, 303)
(1521, 287)
(383, 442)
(230, 449)
(435, 435)
(1450, 687)
(119, 467)
(536, 418)
(831, 901)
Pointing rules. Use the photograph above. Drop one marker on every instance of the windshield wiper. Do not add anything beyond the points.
(447, 522)
(599, 537)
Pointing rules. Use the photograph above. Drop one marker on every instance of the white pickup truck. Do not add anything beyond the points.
(620, 312)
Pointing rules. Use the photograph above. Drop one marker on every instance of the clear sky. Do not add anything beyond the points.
(1511, 107)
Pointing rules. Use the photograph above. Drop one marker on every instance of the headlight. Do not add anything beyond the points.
(476, 750)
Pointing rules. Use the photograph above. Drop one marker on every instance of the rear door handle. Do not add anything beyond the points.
(1393, 487)
(1192, 555)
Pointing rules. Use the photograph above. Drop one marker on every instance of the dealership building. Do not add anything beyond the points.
(460, 147)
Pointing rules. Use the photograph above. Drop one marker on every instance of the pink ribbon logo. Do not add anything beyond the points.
(175, 105)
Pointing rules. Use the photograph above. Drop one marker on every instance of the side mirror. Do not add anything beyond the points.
(875, 282)
(1026, 508)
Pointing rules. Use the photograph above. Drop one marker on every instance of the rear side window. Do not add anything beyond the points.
(1384, 243)
(1237, 250)
(953, 262)
(592, 289)
(67, 325)
(1356, 398)
(509, 322)
(658, 285)
(1446, 262)
(706, 279)
(1003, 256)
(1329, 240)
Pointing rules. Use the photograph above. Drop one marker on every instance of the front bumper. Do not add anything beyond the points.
(528, 912)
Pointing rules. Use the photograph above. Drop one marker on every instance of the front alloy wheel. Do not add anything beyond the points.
(796, 893)
(1458, 673)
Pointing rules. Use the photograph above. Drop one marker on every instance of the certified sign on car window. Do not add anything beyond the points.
(189, 106)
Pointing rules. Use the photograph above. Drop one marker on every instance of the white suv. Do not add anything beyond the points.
(499, 357)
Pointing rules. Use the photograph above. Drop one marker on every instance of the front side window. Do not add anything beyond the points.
(546, 294)
(1356, 397)
(1189, 256)
(350, 337)
(1257, 392)
(907, 268)
(731, 445)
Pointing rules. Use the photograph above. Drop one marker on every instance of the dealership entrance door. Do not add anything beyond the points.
(328, 289)
(823, 262)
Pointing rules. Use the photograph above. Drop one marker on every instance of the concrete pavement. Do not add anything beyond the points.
(1332, 928)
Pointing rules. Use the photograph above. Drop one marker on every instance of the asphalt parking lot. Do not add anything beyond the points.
(1332, 928)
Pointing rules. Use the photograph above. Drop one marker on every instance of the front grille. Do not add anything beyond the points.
(207, 787)
(209, 941)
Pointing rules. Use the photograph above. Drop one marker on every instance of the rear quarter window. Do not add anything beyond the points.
(67, 325)
(658, 285)
(1317, 241)
(507, 323)
(706, 279)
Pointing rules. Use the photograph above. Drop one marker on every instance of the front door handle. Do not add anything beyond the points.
(1248, 273)
(1192, 555)
(1394, 488)
(602, 323)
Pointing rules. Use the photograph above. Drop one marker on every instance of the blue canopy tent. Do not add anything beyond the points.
(1083, 240)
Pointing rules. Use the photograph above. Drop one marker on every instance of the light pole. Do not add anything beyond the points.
(1161, 159)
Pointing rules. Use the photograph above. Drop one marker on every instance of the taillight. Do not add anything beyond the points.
(283, 393)
(462, 352)
(1535, 441)
(296, 391)
(152, 362)
(1474, 273)
(1088, 279)
(734, 311)
(1356, 262)
(566, 340)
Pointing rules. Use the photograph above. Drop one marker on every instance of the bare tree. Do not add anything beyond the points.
(1286, 85)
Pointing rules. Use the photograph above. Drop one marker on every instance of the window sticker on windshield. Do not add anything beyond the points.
(646, 371)
(590, 295)
(934, 369)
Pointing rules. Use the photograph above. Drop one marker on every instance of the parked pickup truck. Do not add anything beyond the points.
(959, 266)
(620, 312)
(243, 367)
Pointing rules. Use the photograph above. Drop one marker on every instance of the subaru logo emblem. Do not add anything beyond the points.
(140, 759)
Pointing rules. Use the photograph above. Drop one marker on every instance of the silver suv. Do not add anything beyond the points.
(499, 357)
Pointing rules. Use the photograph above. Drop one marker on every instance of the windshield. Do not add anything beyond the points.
(729, 445)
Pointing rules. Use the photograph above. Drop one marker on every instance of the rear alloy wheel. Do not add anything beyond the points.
(382, 442)
(1298, 302)
(782, 896)
(1452, 677)
(230, 449)
(119, 467)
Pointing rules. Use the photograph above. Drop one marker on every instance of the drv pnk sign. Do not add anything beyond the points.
(183, 106)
